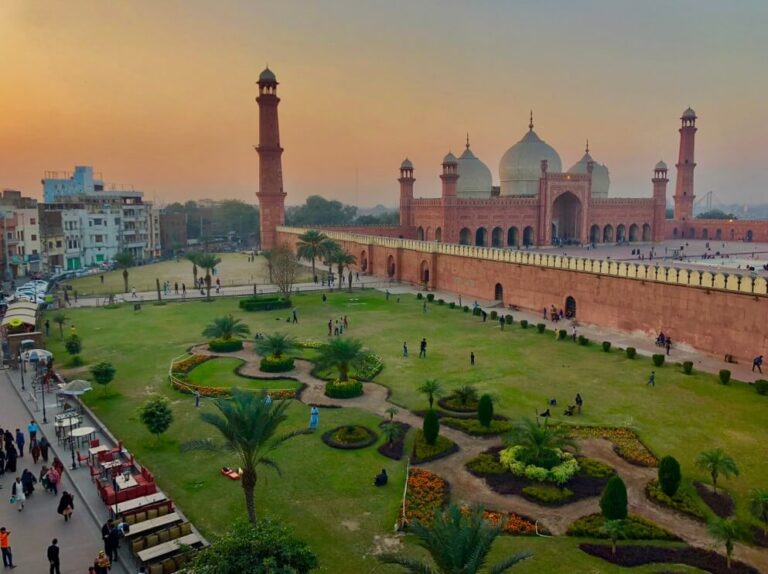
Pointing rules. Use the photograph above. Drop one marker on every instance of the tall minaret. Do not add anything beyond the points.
(271, 195)
(685, 164)
(659, 201)
(406, 192)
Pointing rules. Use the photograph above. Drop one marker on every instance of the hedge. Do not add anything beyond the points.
(725, 376)
(357, 436)
(225, 345)
(344, 390)
(508, 319)
(631, 352)
(524, 324)
(272, 364)
(452, 305)
(264, 303)
(541, 327)
(607, 346)
(494, 315)
(419, 296)
(583, 341)
(658, 359)
(466, 309)
(441, 301)
(561, 334)
(430, 297)
(688, 367)
(761, 386)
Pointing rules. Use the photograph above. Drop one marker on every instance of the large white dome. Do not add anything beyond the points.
(520, 166)
(601, 180)
(475, 178)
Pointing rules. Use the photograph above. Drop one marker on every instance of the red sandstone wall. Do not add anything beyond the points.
(380, 230)
(736, 230)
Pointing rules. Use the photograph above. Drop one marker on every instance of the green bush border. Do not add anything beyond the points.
(276, 365)
(225, 345)
(328, 438)
(343, 390)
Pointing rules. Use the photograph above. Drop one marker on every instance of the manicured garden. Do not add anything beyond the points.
(222, 372)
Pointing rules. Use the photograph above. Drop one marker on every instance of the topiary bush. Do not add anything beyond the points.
(669, 475)
(631, 352)
(270, 364)
(350, 437)
(430, 297)
(419, 296)
(562, 334)
(441, 301)
(431, 427)
(486, 463)
(477, 311)
(613, 503)
(225, 345)
(541, 327)
(761, 386)
(466, 309)
(547, 493)
(725, 376)
(344, 389)
(607, 346)
(688, 367)
(494, 316)
(508, 319)
(658, 359)
(583, 341)
(451, 305)
(485, 410)
(524, 324)
(264, 303)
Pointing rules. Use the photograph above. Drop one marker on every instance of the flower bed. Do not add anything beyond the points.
(635, 528)
(185, 365)
(631, 556)
(510, 523)
(473, 427)
(683, 501)
(394, 450)
(720, 503)
(559, 474)
(271, 364)
(350, 437)
(452, 403)
(625, 441)
(344, 389)
(548, 494)
(423, 452)
(427, 494)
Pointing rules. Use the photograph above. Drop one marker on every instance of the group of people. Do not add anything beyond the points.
(555, 315)
(664, 341)
(338, 326)
(570, 410)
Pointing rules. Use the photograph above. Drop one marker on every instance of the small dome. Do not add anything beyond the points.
(450, 158)
(520, 166)
(475, 178)
(406, 164)
(661, 165)
(689, 114)
(267, 76)
(601, 180)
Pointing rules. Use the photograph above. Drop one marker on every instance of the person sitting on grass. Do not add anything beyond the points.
(381, 478)
(569, 411)
(546, 414)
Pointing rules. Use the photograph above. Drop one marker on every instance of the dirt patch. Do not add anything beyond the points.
(351, 525)
(721, 503)
(391, 544)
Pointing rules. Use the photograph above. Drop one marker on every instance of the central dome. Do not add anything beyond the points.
(520, 166)
(474, 176)
(601, 180)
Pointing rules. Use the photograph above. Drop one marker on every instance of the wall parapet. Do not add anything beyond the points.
(744, 284)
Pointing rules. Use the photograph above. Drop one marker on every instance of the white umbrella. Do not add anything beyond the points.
(37, 355)
(75, 388)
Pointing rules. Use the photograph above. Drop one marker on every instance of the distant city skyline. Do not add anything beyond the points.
(161, 95)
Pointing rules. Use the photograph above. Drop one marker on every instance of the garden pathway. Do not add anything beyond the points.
(469, 489)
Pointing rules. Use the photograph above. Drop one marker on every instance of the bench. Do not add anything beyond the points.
(137, 503)
(167, 548)
(147, 526)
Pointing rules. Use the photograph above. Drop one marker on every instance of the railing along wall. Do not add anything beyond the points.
(647, 272)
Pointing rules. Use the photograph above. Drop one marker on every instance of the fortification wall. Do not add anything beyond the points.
(718, 230)
(716, 312)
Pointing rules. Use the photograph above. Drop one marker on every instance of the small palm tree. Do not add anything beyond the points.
(342, 354)
(275, 345)
(758, 504)
(391, 431)
(726, 531)
(716, 462)
(208, 261)
(226, 328)
(538, 441)
(466, 394)
(60, 318)
(124, 260)
(329, 253)
(192, 256)
(432, 388)
(342, 259)
(392, 411)
(312, 244)
(615, 529)
(458, 543)
(247, 423)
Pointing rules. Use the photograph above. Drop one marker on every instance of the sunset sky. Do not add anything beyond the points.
(160, 94)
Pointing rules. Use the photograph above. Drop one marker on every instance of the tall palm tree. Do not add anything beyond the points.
(341, 354)
(247, 423)
(329, 252)
(342, 259)
(226, 328)
(758, 504)
(193, 256)
(432, 388)
(716, 462)
(726, 531)
(275, 345)
(458, 543)
(538, 441)
(124, 260)
(208, 261)
(312, 244)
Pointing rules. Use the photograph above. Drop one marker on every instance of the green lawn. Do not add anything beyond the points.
(220, 372)
(325, 494)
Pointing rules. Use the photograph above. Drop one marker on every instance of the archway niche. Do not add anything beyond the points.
(633, 229)
(420, 234)
(566, 217)
(363, 261)
(481, 237)
(512, 237)
(424, 272)
(464, 236)
(608, 234)
(621, 233)
(391, 266)
(646, 232)
(439, 234)
(594, 234)
(498, 292)
(497, 237)
(570, 307)
(528, 236)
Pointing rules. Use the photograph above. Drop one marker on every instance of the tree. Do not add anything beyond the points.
(124, 260)
(758, 504)
(458, 543)
(342, 259)
(60, 318)
(466, 394)
(265, 547)
(715, 214)
(226, 328)
(613, 503)
(285, 265)
(312, 244)
(726, 531)
(716, 462)
(391, 431)
(275, 345)
(319, 211)
(156, 415)
(669, 475)
(615, 529)
(342, 354)
(431, 427)
(247, 423)
(103, 373)
(74, 346)
(432, 388)
(539, 442)
(485, 410)
(392, 411)
(207, 261)
(193, 257)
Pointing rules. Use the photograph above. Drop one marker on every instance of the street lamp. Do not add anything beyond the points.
(21, 369)
(72, 443)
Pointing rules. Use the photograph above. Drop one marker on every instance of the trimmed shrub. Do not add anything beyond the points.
(485, 410)
(272, 364)
(613, 503)
(524, 324)
(658, 359)
(423, 452)
(474, 428)
(684, 500)
(264, 303)
(595, 468)
(688, 367)
(562, 334)
(541, 327)
(631, 352)
(669, 475)
(547, 494)
(494, 316)
(344, 390)
(419, 296)
(508, 319)
(430, 297)
(607, 346)
(431, 427)
(761, 386)
(477, 311)
(225, 345)
(486, 463)
(466, 309)
(350, 437)
(451, 305)
(583, 341)
(725, 376)
(635, 528)
(441, 301)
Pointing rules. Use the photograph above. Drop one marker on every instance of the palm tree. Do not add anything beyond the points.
(276, 345)
(208, 261)
(458, 544)
(341, 354)
(312, 244)
(615, 529)
(226, 327)
(193, 257)
(466, 394)
(432, 388)
(717, 462)
(342, 259)
(60, 318)
(758, 504)
(247, 423)
(725, 531)
(330, 250)
(538, 441)
(392, 411)
(391, 431)
(124, 260)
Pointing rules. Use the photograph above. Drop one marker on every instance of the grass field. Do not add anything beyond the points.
(325, 494)
(220, 372)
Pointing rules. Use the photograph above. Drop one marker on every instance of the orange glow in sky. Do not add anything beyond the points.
(161, 94)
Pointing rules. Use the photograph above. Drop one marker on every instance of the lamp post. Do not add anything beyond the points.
(21, 369)
(72, 444)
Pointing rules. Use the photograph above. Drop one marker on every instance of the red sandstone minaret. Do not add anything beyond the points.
(406, 192)
(660, 181)
(271, 195)
(685, 164)
(449, 177)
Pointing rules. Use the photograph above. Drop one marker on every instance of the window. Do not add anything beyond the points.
(33, 237)
(99, 238)
(58, 243)
(32, 221)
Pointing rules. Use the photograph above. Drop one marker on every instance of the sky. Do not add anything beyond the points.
(160, 95)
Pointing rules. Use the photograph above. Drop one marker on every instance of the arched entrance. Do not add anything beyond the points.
(566, 217)
(363, 261)
(646, 232)
(496, 237)
(424, 274)
(498, 292)
(512, 238)
(528, 236)
(705, 233)
(439, 234)
(719, 234)
(594, 234)
(621, 233)
(608, 234)
(481, 237)
(391, 266)
(692, 233)
(749, 235)
(570, 307)
(464, 236)
(420, 234)
(633, 229)
(675, 233)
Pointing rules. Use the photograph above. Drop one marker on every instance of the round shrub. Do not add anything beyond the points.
(508, 319)
(270, 364)
(583, 341)
(431, 427)
(561, 334)
(430, 297)
(565, 467)
(494, 315)
(524, 324)
(669, 475)
(658, 359)
(441, 301)
(344, 389)
(419, 296)
(761, 386)
(725, 376)
(631, 352)
(477, 311)
(466, 309)
(485, 410)
(688, 367)
(451, 305)
(225, 345)
(541, 327)
(613, 503)
(350, 437)
(607, 346)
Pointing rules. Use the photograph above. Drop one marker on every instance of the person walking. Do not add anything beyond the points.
(113, 543)
(176, 287)
(314, 418)
(53, 557)
(102, 564)
(757, 362)
(423, 349)
(34, 450)
(295, 316)
(54, 477)
(66, 506)
(668, 344)
(405, 349)
(472, 358)
(579, 402)
(386, 295)
(5, 547)
(183, 289)
(17, 494)
(47, 328)
(44, 448)
(424, 307)
(20, 441)
(197, 398)
(501, 322)
(32, 429)
(652, 379)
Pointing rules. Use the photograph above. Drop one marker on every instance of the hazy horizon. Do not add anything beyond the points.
(161, 95)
